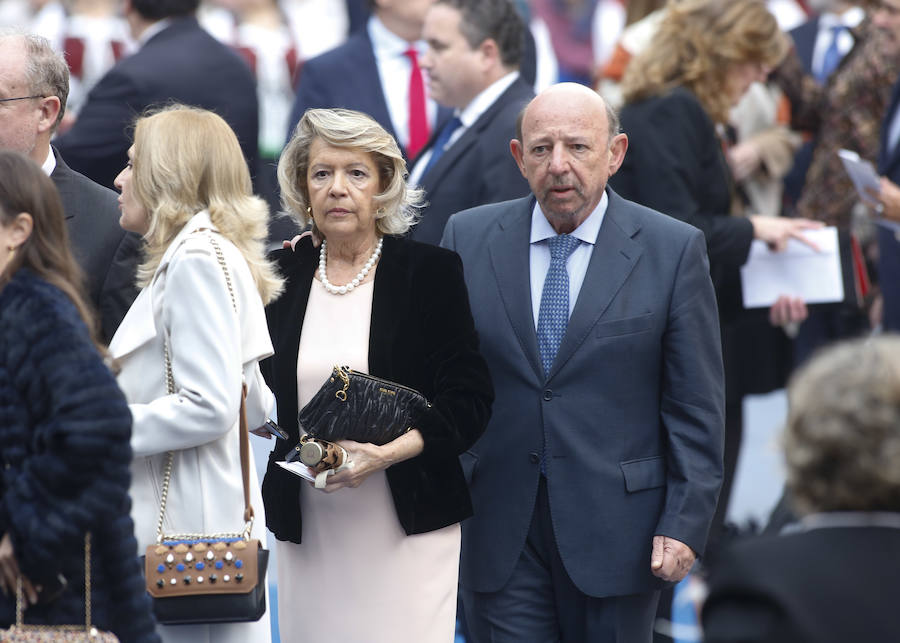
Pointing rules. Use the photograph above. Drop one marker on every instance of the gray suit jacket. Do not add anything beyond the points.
(632, 407)
(106, 253)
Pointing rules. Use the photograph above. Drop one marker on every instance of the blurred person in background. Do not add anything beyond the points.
(64, 430)
(34, 84)
(826, 579)
(679, 93)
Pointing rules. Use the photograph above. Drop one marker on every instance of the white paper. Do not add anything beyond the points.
(298, 469)
(862, 173)
(798, 271)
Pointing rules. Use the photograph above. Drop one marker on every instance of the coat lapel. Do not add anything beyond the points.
(509, 251)
(614, 257)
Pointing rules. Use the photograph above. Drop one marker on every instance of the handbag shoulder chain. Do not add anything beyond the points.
(170, 455)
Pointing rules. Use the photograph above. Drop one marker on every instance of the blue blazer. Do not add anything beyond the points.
(633, 407)
(347, 76)
(182, 63)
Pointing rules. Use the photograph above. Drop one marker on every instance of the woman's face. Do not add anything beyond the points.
(741, 76)
(342, 184)
(134, 215)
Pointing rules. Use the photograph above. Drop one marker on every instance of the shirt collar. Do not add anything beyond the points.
(850, 18)
(488, 96)
(385, 43)
(587, 232)
(152, 30)
(49, 163)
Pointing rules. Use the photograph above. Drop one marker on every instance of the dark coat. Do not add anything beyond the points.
(477, 169)
(675, 164)
(64, 441)
(182, 63)
(106, 253)
(826, 585)
(421, 335)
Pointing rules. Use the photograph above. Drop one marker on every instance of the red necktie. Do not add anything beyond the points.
(418, 117)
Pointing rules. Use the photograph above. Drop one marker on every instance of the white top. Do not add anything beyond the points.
(472, 112)
(539, 254)
(394, 69)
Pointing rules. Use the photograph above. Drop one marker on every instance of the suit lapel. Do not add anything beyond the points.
(516, 91)
(614, 257)
(509, 251)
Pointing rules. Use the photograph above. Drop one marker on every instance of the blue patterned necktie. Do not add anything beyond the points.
(553, 315)
(832, 57)
(437, 150)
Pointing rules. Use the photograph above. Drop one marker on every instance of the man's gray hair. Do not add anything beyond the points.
(46, 71)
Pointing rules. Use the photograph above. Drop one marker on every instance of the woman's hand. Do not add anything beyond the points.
(777, 231)
(366, 459)
(9, 572)
(744, 159)
(788, 312)
(292, 244)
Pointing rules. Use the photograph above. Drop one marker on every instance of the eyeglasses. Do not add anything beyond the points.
(6, 100)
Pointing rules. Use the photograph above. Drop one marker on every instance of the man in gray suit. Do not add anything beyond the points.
(596, 480)
(34, 86)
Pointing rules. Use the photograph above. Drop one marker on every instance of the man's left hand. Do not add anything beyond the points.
(671, 559)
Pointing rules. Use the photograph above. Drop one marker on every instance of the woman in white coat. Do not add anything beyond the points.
(186, 190)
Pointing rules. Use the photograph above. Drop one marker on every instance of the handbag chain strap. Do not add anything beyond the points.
(20, 597)
(244, 442)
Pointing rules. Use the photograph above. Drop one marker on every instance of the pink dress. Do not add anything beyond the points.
(357, 577)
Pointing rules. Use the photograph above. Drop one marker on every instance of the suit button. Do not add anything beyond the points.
(548, 395)
(534, 457)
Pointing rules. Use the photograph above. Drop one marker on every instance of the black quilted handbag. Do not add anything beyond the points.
(355, 406)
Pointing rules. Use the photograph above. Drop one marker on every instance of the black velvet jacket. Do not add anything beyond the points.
(421, 335)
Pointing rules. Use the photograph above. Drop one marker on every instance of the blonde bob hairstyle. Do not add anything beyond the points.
(842, 440)
(187, 160)
(395, 204)
(697, 46)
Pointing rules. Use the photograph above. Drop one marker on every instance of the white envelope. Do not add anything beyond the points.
(798, 271)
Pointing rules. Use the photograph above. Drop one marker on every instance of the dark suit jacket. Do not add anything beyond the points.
(827, 585)
(422, 336)
(347, 76)
(477, 169)
(675, 165)
(633, 406)
(804, 38)
(106, 253)
(183, 64)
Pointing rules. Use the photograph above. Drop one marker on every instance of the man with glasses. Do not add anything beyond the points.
(34, 86)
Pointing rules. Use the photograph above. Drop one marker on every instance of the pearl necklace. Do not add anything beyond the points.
(343, 290)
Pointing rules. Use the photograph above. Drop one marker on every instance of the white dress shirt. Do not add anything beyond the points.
(850, 19)
(539, 254)
(473, 111)
(394, 68)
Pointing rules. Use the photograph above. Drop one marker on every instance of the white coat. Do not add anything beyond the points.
(212, 348)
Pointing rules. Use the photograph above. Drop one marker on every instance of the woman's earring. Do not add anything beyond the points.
(380, 212)
(309, 210)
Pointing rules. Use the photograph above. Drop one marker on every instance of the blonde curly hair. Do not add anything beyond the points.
(697, 46)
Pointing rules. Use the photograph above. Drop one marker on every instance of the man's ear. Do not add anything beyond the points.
(50, 107)
(518, 153)
(490, 53)
(617, 152)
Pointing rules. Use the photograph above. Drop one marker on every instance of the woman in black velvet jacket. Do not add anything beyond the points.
(64, 430)
(349, 172)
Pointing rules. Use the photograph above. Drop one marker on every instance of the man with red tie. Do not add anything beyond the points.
(472, 64)
(377, 72)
